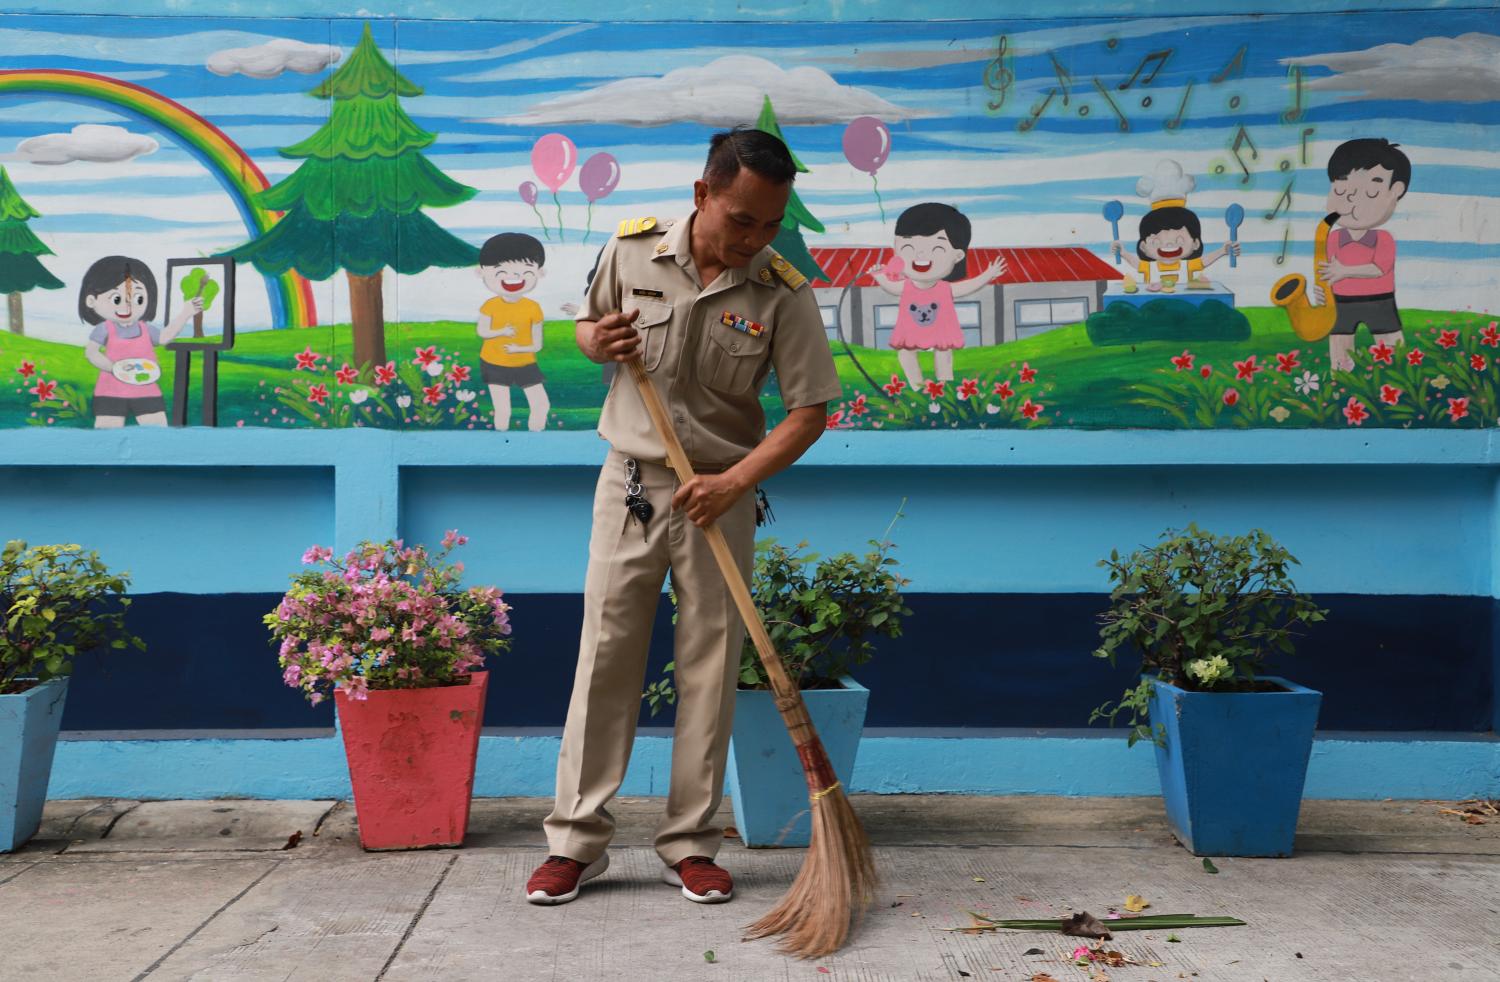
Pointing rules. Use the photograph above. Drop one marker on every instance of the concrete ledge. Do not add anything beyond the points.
(1344, 765)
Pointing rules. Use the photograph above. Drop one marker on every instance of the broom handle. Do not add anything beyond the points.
(788, 696)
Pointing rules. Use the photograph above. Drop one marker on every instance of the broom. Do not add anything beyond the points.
(837, 879)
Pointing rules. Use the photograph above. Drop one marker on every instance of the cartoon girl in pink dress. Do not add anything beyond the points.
(931, 242)
(118, 296)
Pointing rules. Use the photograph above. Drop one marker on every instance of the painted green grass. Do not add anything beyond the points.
(1084, 386)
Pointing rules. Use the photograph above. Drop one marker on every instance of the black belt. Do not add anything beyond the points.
(1341, 298)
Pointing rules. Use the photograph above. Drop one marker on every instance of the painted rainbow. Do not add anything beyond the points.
(291, 294)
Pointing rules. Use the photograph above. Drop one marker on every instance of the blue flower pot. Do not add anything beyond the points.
(1234, 765)
(765, 777)
(29, 722)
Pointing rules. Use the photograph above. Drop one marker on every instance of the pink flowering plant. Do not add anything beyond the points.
(386, 616)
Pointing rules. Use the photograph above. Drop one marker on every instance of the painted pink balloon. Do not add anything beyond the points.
(598, 176)
(552, 159)
(867, 143)
(528, 192)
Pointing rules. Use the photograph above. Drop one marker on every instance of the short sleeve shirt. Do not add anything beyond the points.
(708, 347)
(519, 314)
(100, 334)
(1377, 248)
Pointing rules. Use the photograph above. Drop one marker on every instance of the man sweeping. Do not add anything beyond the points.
(710, 309)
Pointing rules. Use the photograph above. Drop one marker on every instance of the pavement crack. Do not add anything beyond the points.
(116, 820)
(19, 872)
(208, 920)
(318, 826)
(420, 911)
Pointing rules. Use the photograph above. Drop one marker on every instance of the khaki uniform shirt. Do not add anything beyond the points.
(709, 372)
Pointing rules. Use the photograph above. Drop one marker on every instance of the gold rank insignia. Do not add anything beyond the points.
(765, 276)
(635, 226)
(661, 247)
(788, 273)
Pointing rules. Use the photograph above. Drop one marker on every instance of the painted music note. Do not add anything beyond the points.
(1062, 76)
(1026, 125)
(1294, 114)
(1242, 138)
(997, 77)
(1286, 238)
(1124, 123)
(1160, 57)
(1176, 122)
(1236, 64)
(1305, 134)
(1283, 203)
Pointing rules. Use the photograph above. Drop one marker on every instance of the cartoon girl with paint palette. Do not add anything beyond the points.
(931, 242)
(118, 296)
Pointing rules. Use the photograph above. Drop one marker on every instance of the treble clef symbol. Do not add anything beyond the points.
(997, 77)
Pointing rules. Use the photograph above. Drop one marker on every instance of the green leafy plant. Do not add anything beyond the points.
(823, 613)
(1203, 612)
(58, 601)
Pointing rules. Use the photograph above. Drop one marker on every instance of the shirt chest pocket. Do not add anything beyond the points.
(730, 360)
(655, 318)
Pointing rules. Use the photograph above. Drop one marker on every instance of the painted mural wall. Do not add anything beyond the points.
(1277, 221)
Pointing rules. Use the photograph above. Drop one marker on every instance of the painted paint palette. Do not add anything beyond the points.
(136, 371)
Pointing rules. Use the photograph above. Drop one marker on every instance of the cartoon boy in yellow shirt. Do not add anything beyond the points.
(510, 264)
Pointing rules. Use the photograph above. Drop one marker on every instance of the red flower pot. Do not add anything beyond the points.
(411, 761)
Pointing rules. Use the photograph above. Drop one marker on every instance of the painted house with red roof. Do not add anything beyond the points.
(1043, 287)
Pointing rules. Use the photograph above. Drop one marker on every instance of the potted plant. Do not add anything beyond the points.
(823, 615)
(390, 635)
(1204, 612)
(56, 602)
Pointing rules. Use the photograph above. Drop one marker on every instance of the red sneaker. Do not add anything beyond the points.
(702, 882)
(557, 880)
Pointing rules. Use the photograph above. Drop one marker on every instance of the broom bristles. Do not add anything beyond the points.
(833, 888)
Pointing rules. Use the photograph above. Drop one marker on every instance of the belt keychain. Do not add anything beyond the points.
(763, 515)
(635, 501)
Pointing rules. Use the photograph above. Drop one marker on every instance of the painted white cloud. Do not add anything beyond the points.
(410, 56)
(89, 142)
(725, 92)
(1436, 69)
(274, 57)
(173, 48)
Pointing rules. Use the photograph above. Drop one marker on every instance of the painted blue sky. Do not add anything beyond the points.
(492, 89)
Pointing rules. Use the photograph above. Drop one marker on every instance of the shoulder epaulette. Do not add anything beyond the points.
(789, 274)
(637, 226)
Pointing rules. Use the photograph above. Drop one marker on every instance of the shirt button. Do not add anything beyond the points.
(734, 347)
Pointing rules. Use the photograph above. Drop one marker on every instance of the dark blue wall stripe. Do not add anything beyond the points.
(979, 660)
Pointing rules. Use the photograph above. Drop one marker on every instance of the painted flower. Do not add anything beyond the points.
(1184, 361)
(1382, 352)
(27, 369)
(465, 395)
(43, 389)
(991, 408)
(1478, 362)
(359, 395)
(1285, 363)
(1280, 414)
(1231, 397)
(319, 394)
(934, 408)
(894, 387)
(458, 373)
(1003, 390)
(385, 374)
(1441, 382)
(425, 356)
(1028, 374)
(403, 401)
(432, 394)
(1206, 371)
(347, 375)
(1490, 335)
(859, 406)
(1414, 356)
(835, 420)
(1307, 383)
(934, 389)
(1355, 412)
(1030, 409)
(1448, 339)
(433, 368)
(968, 388)
(1390, 395)
(1458, 408)
(1245, 370)
(307, 359)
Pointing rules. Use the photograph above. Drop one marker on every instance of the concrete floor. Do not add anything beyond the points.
(204, 890)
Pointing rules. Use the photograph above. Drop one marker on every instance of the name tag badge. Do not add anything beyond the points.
(649, 294)
(743, 324)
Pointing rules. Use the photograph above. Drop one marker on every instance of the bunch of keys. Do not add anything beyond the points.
(635, 500)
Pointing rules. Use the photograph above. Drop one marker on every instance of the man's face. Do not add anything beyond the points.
(511, 279)
(740, 219)
(1169, 245)
(1365, 198)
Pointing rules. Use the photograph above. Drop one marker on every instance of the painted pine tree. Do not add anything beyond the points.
(788, 239)
(356, 201)
(20, 270)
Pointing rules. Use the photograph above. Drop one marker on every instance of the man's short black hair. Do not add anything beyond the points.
(756, 150)
(512, 247)
(1371, 152)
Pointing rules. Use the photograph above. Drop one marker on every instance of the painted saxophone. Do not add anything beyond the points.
(1309, 322)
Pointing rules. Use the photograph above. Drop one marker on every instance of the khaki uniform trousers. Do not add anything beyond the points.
(625, 575)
